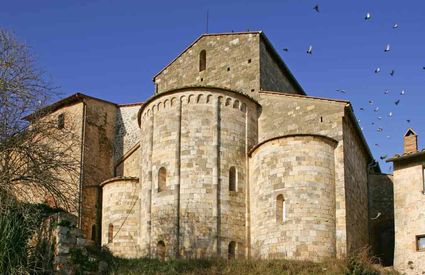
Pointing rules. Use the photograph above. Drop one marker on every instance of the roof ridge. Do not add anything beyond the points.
(305, 96)
(199, 38)
(63, 102)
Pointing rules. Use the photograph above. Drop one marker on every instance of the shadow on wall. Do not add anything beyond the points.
(120, 133)
(384, 249)
(381, 218)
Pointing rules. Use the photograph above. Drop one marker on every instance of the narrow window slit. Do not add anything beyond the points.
(202, 60)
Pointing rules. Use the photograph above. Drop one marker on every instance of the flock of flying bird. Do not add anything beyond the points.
(372, 104)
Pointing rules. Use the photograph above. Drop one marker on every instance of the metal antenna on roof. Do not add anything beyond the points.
(207, 22)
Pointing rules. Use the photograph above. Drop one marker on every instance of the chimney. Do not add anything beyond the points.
(410, 141)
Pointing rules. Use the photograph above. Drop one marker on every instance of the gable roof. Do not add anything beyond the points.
(405, 156)
(409, 132)
(304, 96)
(75, 98)
(274, 54)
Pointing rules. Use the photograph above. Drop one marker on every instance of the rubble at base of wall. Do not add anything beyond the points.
(69, 245)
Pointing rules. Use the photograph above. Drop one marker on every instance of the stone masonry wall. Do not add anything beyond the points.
(232, 61)
(73, 121)
(59, 230)
(409, 201)
(286, 114)
(129, 166)
(302, 169)
(356, 189)
(98, 161)
(146, 183)
(126, 130)
(272, 78)
(121, 209)
(195, 135)
(164, 208)
(381, 205)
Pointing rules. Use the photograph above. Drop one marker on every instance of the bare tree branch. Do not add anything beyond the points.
(37, 160)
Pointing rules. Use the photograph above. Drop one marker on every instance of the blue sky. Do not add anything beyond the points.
(112, 49)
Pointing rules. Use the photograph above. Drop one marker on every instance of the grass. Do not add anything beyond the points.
(355, 266)
(18, 224)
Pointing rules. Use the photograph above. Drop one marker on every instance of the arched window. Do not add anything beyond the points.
(231, 250)
(110, 233)
(232, 178)
(202, 60)
(162, 179)
(280, 209)
(160, 250)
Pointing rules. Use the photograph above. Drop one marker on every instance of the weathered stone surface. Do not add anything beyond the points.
(244, 120)
(409, 215)
(210, 134)
(302, 170)
(241, 61)
(121, 216)
(126, 130)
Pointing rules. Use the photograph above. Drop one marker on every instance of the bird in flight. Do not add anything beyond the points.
(316, 8)
(341, 91)
(395, 26)
(286, 50)
(392, 73)
(387, 48)
(377, 70)
(397, 102)
(310, 49)
(379, 213)
(368, 16)
(402, 92)
(386, 92)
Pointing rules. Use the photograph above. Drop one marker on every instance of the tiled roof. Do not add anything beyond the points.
(404, 156)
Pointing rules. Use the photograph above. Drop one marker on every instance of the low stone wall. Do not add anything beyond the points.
(66, 237)
(72, 254)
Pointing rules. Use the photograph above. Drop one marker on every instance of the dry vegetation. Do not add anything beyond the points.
(36, 160)
(360, 265)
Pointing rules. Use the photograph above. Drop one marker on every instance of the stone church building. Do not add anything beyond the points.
(231, 158)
